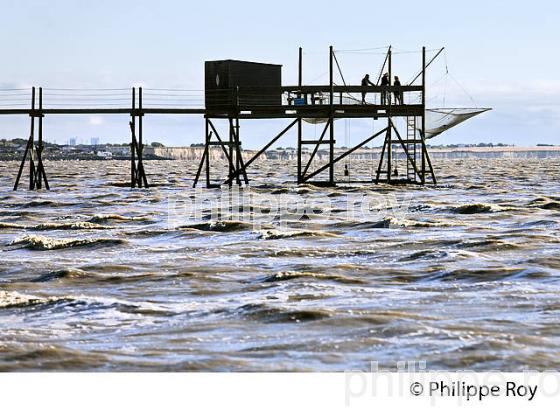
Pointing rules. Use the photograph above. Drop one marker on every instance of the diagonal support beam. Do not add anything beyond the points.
(29, 148)
(427, 65)
(204, 158)
(41, 175)
(429, 161)
(238, 154)
(22, 164)
(133, 143)
(383, 66)
(344, 155)
(413, 163)
(226, 153)
(327, 125)
(380, 165)
(137, 172)
(41, 170)
(258, 154)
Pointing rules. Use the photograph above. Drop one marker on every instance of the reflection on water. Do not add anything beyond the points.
(94, 276)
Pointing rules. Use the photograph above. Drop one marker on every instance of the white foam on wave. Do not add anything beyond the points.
(268, 234)
(37, 242)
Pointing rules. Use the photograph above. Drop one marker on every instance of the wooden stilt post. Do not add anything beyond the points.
(137, 173)
(300, 120)
(230, 151)
(139, 146)
(331, 116)
(389, 131)
(207, 153)
(236, 149)
(222, 143)
(133, 141)
(231, 168)
(32, 146)
(234, 163)
(423, 176)
(38, 174)
(241, 163)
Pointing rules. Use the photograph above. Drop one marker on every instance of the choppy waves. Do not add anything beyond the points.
(100, 277)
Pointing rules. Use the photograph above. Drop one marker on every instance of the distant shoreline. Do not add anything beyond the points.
(494, 149)
(288, 154)
(195, 153)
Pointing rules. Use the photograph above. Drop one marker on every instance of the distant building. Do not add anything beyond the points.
(118, 150)
(94, 140)
(72, 141)
(104, 154)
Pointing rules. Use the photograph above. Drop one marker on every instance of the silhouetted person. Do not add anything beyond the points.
(385, 82)
(365, 83)
(398, 92)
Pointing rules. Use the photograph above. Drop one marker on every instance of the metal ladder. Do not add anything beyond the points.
(411, 147)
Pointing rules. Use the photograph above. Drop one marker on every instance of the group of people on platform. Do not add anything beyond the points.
(385, 81)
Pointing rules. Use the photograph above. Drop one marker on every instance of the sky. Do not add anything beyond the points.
(499, 54)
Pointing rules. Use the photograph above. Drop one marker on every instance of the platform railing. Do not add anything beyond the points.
(216, 99)
(311, 95)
